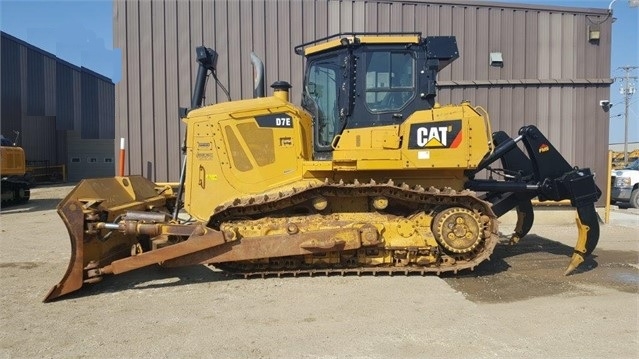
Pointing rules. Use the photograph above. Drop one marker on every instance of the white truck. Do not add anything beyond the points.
(625, 184)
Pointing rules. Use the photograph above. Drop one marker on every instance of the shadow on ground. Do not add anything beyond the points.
(34, 205)
(535, 267)
(149, 278)
(531, 244)
(43, 198)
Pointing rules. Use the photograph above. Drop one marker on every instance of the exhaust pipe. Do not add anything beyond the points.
(258, 76)
(207, 59)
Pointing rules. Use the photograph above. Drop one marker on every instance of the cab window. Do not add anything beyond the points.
(390, 80)
(322, 91)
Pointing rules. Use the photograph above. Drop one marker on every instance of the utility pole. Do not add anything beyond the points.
(626, 90)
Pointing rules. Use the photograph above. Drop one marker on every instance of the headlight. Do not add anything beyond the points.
(622, 182)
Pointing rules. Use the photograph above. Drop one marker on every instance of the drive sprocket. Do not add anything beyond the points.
(458, 229)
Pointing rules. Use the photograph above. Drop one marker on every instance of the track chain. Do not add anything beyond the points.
(264, 205)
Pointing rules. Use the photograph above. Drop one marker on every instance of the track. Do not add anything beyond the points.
(403, 202)
(14, 191)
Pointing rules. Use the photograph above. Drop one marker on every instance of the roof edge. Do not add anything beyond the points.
(507, 5)
(54, 57)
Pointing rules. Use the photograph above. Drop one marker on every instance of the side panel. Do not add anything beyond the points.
(449, 137)
(264, 150)
(252, 147)
(365, 144)
(206, 186)
(446, 137)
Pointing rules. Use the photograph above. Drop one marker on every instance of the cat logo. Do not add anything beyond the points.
(431, 137)
(442, 134)
(544, 148)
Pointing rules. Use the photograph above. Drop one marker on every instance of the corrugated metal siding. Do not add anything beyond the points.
(49, 82)
(146, 88)
(552, 77)
(156, 95)
(35, 83)
(61, 149)
(132, 97)
(64, 98)
(172, 100)
(90, 121)
(106, 110)
(38, 140)
(23, 77)
(121, 115)
(97, 110)
(42, 97)
(10, 88)
(77, 100)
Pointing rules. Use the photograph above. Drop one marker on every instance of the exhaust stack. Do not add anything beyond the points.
(258, 76)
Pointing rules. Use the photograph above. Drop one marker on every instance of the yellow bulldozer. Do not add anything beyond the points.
(369, 175)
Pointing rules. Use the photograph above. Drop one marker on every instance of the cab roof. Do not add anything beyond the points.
(344, 39)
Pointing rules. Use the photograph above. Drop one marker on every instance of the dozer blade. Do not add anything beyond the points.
(72, 279)
(588, 236)
(105, 200)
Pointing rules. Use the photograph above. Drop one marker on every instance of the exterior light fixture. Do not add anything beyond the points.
(594, 33)
(496, 60)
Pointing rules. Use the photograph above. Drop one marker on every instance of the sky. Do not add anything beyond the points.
(81, 32)
(77, 31)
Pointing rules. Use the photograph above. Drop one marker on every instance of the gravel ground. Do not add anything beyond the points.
(518, 305)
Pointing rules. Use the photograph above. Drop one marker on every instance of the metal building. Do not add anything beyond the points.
(64, 114)
(554, 69)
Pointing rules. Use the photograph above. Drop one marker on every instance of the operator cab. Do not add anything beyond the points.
(369, 80)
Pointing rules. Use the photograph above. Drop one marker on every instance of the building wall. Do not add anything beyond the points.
(552, 77)
(44, 97)
(11, 88)
(89, 158)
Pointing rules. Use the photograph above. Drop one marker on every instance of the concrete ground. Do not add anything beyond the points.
(518, 305)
